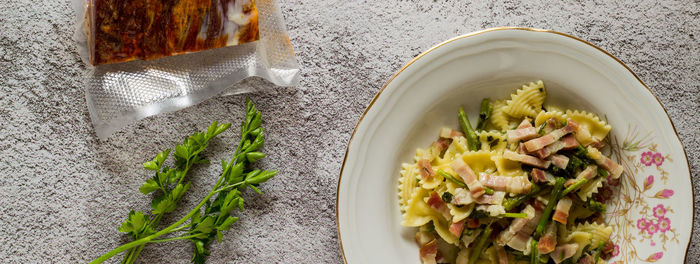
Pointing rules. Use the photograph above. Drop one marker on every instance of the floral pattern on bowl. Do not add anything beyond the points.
(642, 214)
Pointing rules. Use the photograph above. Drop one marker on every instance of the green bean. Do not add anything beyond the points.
(484, 113)
(476, 252)
(469, 133)
(554, 197)
(488, 190)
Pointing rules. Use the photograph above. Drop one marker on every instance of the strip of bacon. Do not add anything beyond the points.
(517, 135)
(548, 241)
(597, 143)
(428, 252)
(541, 176)
(521, 239)
(561, 213)
(588, 173)
(492, 209)
(518, 232)
(435, 202)
(549, 150)
(543, 141)
(469, 177)
(447, 132)
(426, 170)
(502, 255)
(570, 142)
(586, 259)
(605, 162)
(495, 198)
(563, 252)
(457, 227)
(549, 125)
(525, 123)
(524, 131)
(472, 223)
(518, 184)
(438, 147)
(521, 148)
(560, 161)
(567, 142)
(462, 197)
(424, 237)
(526, 159)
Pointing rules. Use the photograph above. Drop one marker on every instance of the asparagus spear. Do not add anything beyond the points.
(459, 183)
(512, 202)
(515, 215)
(480, 244)
(553, 199)
(451, 178)
(472, 141)
(533, 252)
(484, 113)
(574, 186)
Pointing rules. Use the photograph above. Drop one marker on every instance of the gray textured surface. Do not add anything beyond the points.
(63, 193)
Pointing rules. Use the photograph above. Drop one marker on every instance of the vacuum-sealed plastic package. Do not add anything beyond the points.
(147, 57)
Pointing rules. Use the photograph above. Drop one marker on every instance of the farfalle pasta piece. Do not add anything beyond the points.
(507, 167)
(458, 146)
(526, 101)
(581, 238)
(597, 128)
(479, 161)
(460, 213)
(408, 184)
(578, 212)
(589, 188)
(492, 141)
(499, 119)
(543, 116)
(417, 211)
(600, 233)
(426, 183)
(587, 234)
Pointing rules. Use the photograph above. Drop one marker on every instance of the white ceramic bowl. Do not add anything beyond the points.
(653, 215)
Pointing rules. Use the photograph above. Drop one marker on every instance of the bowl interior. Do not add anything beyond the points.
(425, 96)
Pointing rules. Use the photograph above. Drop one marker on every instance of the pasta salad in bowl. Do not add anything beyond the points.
(570, 158)
(523, 185)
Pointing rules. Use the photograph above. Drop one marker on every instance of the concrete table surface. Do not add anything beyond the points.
(63, 193)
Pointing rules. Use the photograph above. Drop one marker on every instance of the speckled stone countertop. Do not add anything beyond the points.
(63, 193)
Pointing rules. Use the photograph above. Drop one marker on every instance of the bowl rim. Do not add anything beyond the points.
(352, 136)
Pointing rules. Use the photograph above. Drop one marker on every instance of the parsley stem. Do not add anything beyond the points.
(148, 239)
(181, 227)
(229, 186)
(173, 238)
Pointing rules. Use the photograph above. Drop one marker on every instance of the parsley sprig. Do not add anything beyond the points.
(199, 226)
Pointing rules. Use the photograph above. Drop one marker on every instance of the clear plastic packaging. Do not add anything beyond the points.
(122, 93)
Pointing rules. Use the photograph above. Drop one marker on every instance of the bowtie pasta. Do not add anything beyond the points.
(520, 188)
